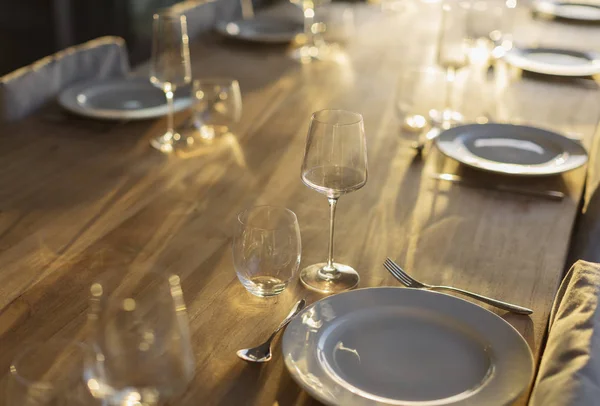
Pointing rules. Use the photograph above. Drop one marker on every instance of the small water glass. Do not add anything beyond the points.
(266, 249)
(420, 93)
(489, 26)
(217, 106)
(50, 373)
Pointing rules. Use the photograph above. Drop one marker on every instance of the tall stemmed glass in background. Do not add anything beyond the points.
(310, 50)
(452, 53)
(169, 68)
(335, 163)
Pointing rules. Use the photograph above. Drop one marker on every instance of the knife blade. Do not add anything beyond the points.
(459, 180)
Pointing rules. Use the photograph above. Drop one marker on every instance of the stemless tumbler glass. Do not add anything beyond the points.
(335, 163)
(266, 249)
(50, 373)
(217, 106)
(141, 338)
(419, 94)
(169, 69)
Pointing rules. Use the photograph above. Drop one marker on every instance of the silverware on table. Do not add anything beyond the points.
(547, 194)
(262, 353)
(410, 282)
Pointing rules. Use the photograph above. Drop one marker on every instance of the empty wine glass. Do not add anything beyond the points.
(335, 163)
(50, 373)
(266, 249)
(169, 69)
(141, 338)
(217, 106)
(452, 53)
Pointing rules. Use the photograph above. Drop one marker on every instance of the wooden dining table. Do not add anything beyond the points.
(79, 198)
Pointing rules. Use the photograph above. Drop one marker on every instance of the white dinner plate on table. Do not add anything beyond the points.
(512, 149)
(401, 346)
(551, 61)
(129, 98)
(585, 12)
(262, 30)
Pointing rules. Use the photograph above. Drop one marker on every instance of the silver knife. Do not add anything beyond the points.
(548, 194)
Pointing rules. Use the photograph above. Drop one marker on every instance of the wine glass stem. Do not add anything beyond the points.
(329, 268)
(309, 17)
(169, 95)
(450, 77)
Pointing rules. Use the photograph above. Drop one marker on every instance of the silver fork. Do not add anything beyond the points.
(410, 282)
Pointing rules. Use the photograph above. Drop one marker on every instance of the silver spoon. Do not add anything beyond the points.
(262, 353)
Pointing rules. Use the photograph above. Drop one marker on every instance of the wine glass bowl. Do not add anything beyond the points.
(170, 68)
(334, 164)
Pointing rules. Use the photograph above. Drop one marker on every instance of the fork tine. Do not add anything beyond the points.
(395, 274)
(401, 271)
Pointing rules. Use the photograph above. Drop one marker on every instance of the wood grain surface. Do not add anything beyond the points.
(78, 198)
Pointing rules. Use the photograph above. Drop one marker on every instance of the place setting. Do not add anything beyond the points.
(536, 53)
(372, 346)
(313, 29)
(498, 134)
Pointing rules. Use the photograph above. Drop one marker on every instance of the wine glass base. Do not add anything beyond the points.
(170, 142)
(446, 119)
(314, 279)
(307, 53)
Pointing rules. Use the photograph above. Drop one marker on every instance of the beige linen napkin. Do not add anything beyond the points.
(569, 372)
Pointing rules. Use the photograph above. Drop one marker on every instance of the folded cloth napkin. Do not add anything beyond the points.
(27, 88)
(569, 372)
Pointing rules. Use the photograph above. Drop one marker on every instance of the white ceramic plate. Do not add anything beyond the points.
(558, 62)
(131, 98)
(512, 149)
(263, 30)
(400, 346)
(586, 12)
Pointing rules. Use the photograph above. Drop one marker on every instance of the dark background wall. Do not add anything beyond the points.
(32, 29)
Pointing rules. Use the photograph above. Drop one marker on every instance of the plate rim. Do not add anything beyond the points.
(558, 4)
(517, 57)
(327, 401)
(67, 99)
(454, 131)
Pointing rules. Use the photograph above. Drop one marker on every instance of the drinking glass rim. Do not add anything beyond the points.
(215, 80)
(168, 14)
(358, 115)
(247, 210)
(14, 369)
